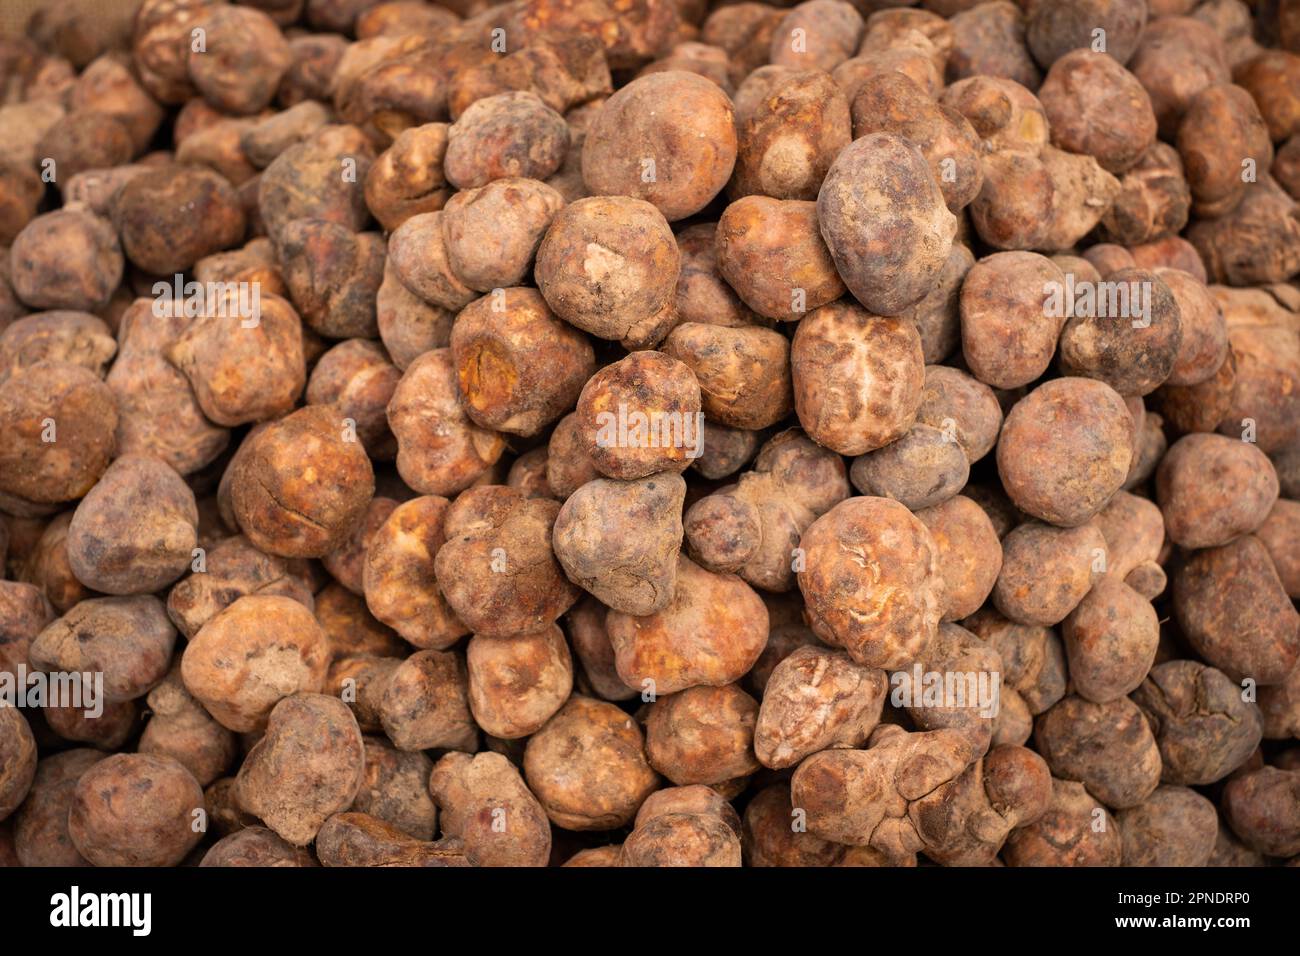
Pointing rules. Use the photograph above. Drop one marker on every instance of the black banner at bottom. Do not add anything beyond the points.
(303, 906)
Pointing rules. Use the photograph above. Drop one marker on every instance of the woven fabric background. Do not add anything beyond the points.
(14, 13)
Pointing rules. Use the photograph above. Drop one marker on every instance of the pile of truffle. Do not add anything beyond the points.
(651, 433)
